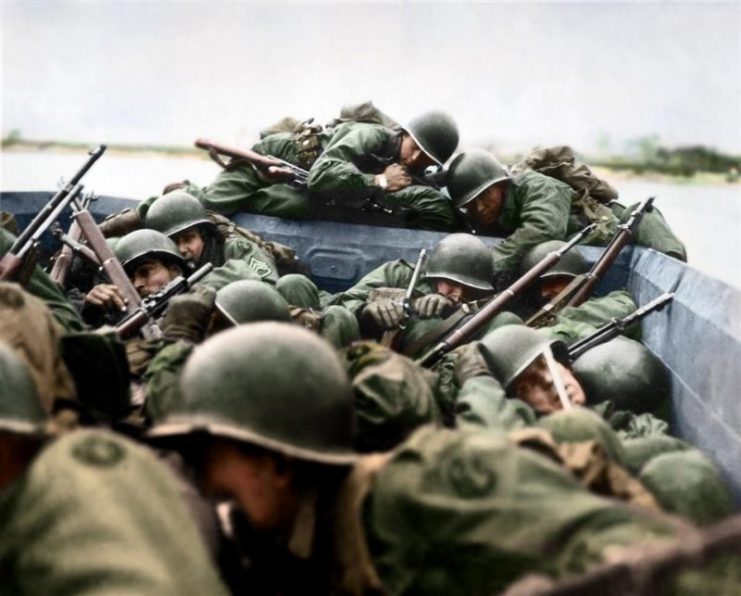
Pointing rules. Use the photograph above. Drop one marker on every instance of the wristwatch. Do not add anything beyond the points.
(382, 181)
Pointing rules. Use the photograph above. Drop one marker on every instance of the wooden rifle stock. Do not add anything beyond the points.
(494, 306)
(107, 259)
(280, 168)
(621, 238)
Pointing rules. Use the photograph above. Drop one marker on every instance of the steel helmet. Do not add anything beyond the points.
(249, 301)
(510, 349)
(462, 258)
(571, 263)
(176, 211)
(624, 372)
(582, 424)
(21, 411)
(146, 243)
(274, 385)
(436, 133)
(471, 173)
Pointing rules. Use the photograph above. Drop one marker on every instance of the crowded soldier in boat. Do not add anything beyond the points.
(185, 409)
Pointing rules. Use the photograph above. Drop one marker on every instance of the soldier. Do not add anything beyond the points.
(572, 323)
(182, 218)
(88, 512)
(531, 208)
(447, 512)
(517, 358)
(357, 166)
(150, 259)
(458, 273)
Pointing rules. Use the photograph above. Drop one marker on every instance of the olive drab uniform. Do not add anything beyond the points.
(560, 163)
(453, 512)
(573, 323)
(98, 514)
(241, 187)
(41, 285)
(390, 280)
(242, 259)
(342, 180)
(538, 208)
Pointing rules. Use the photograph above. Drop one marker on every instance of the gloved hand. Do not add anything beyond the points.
(386, 314)
(188, 315)
(431, 305)
(470, 363)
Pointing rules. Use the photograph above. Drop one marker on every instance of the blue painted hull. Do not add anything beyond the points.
(698, 336)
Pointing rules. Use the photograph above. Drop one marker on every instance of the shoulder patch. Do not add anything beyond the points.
(261, 268)
(98, 451)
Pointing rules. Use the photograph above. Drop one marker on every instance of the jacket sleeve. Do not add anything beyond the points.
(544, 205)
(336, 168)
(395, 274)
(482, 403)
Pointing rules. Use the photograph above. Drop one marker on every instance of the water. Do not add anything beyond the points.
(707, 218)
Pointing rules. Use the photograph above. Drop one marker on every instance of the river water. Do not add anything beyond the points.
(707, 218)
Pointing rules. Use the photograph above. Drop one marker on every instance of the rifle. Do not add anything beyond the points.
(272, 166)
(580, 288)
(63, 259)
(154, 304)
(494, 306)
(406, 302)
(20, 256)
(615, 327)
(106, 258)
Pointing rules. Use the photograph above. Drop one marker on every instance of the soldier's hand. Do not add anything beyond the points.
(386, 314)
(188, 315)
(397, 177)
(470, 363)
(105, 296)
(432, 305)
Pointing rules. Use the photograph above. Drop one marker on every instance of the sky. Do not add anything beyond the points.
(514, 75)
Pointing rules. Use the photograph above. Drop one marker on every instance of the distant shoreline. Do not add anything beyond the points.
(181, 152)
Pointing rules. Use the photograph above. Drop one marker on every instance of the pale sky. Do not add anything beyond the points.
(512, 74)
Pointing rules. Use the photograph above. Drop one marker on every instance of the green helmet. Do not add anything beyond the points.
(624, 372)
(571, 263)
(464, 259)
(146, 243)
(176, 211)
(581, 424)
(21, 411)
(436, 133)
(510, 349)
(249, 301)
(689, 484)
(274, 385)
(471, 173)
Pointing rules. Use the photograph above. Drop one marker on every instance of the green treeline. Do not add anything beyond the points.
(682, 161)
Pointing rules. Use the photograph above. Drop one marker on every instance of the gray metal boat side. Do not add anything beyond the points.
(698, 336)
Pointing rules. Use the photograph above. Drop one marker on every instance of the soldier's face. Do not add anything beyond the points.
(453, 291)
(411, 155)
(552, 287)
(535, 387)
(485, 209)
(259, 483)
(190, 244)
(152, 275)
